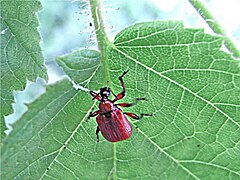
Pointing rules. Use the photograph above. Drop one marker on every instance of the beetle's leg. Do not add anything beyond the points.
(114, 94)
(125, 104)
(95, 95)
(97, 132)
(134, 116)
(92, 114)
(130, 104)
(122, 94)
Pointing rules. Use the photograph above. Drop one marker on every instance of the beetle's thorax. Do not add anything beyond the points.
(106, 106)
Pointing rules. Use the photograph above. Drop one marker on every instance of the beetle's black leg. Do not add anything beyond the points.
(125, 104)
(114, 94)
(122, 94)
(92, 114)
(134, 116)
(97, 132)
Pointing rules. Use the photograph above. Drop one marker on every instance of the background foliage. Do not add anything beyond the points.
(21, 55)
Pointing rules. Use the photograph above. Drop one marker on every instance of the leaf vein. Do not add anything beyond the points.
(176, 83)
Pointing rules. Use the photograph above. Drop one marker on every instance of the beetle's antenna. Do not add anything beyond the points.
(95, 96)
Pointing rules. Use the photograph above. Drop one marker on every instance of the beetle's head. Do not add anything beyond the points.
(105, 92)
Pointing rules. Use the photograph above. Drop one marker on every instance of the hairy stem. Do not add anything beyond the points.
(215, 26)
(101, 35)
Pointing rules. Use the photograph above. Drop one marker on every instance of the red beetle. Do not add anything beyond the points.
(111, 120)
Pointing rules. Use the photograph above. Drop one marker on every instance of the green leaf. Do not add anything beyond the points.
(80, 65)
(21, 55)
(193, 92)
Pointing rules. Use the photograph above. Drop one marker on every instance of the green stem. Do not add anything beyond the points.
(103, 43)
(215, 26)
(101, 35)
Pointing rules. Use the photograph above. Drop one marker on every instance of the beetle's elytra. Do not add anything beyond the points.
(111, 120)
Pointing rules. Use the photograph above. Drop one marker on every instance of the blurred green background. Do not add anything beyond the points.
(67, 25)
